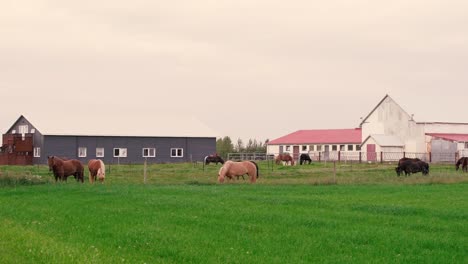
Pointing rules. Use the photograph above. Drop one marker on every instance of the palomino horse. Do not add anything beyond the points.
(233, 169)
(464, 162)
(286, 158)
(213, 159)
(64, 168)
(96, 169)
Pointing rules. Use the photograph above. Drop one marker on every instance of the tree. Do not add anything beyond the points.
(224, 146)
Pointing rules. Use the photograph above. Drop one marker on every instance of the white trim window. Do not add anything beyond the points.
(466, 145)
(23, 129)
(177, 152)
(120, 152)
(82, 152)
(37, 152)
(149, 152)
(99, 152)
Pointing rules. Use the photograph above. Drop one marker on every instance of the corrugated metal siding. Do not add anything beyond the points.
(195, 149)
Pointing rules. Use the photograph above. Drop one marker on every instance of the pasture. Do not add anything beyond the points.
(299, 214)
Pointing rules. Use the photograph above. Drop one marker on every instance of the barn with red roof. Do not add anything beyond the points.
(387, 128)
(313, 141)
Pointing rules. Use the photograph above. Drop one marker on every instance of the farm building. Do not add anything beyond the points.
(113, 139)
(325, 142)
(387, 129)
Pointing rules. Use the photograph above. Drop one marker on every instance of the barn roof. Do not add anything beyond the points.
(451, 137)
(320, 136)
(377, 106)
(142, 125)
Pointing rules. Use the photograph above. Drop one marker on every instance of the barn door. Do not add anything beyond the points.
(295, 152)
(371, 154)
(281, 150)
(326, 152)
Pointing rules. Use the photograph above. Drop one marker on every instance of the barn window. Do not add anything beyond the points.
(37, 152)
(149, 152)
(120, 152)
(319, 147)
(342, 148)
(81, 152)
(350, 147)
(288, 148)
(466, 145)
(177, 152)
(334, 147)
(358, 147)
(304, 148)
(23, 129)
(99, 152)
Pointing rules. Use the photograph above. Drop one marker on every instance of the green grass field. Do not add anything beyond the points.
(364, 214)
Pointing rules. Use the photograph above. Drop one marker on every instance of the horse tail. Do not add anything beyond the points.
(204, 160)
(256, 167)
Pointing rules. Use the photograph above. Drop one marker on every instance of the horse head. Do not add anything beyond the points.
(220, 160)
(457, 165)
(50, 162)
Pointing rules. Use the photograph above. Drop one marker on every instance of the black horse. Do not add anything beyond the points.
(464, 163)
(304, 158)
(213, 159)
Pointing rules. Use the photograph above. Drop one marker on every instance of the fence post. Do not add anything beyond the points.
(430, 157)
(404, 154)
(144, 171)
(339, 156)
(360, 156)
(334, 172)
(320, 156)
(381, 156)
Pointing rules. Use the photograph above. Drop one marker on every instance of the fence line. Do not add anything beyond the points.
(353, 156)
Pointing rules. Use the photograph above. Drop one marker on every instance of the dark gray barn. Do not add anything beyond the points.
(116, 147)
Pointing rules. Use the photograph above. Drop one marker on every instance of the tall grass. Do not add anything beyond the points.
(315, 174)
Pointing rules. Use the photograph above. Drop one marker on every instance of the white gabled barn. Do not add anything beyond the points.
(388, 128)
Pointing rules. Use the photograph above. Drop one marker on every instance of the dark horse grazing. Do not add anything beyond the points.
(304, 158)
(64, 168)
(409, 165)
(213, 159)
(284, 157)
(464, 162)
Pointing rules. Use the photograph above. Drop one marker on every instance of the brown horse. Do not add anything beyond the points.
(97, 169)
(233, 169)
(286, 158)
(64, 168)
(464, 162)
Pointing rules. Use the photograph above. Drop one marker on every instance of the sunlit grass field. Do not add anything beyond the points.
(319, 213)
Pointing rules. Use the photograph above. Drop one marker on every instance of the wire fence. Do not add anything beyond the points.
(353, 156)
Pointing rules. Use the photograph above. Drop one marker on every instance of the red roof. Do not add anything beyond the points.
(451, 137)
(321, 136)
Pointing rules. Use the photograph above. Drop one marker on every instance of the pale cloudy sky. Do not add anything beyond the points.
(246, 68)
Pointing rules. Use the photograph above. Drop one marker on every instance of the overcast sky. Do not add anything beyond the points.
(246, 68)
